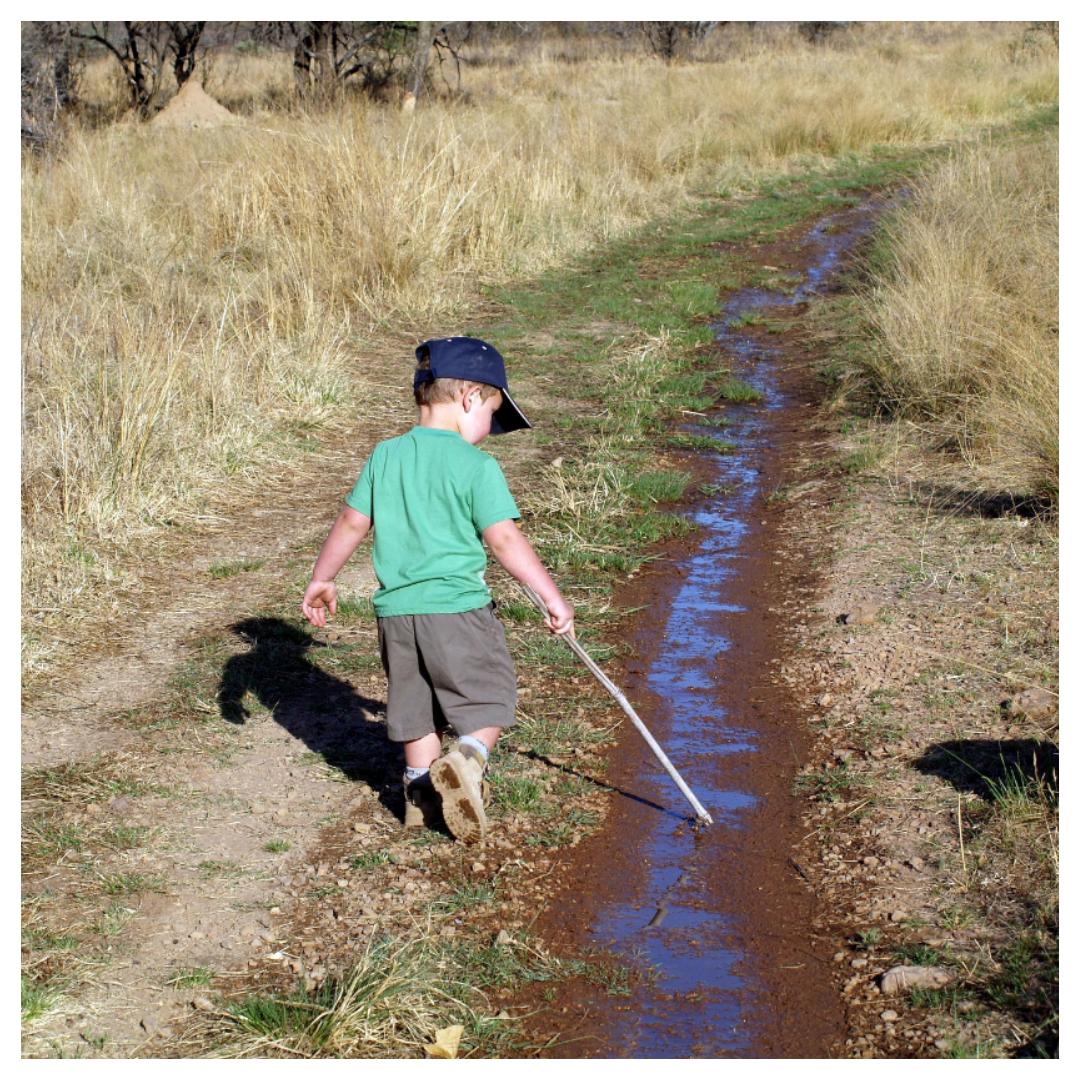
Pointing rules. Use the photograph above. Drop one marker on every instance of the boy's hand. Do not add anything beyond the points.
(318, 598)
(560, 617)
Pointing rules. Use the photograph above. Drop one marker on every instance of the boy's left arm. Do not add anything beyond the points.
(515, 554)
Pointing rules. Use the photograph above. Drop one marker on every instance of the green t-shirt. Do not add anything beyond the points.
(430, 495)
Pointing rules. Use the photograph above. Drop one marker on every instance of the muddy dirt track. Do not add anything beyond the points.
(721, 915)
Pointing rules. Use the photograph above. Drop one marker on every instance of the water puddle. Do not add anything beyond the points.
(679, 919)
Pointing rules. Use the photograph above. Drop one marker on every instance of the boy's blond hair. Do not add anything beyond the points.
(436, 390)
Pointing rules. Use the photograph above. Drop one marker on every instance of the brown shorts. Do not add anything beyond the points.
(446, 670)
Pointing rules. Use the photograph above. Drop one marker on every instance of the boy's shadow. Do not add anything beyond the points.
(334, 721)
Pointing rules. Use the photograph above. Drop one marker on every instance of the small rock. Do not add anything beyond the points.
(889, 1015)
(908, 977)
(916, 863)
(859, 962)
(361, 827)
(478, 867)
(1034, 703)
(203, 1004)
(860, 615)
(942, 1044)
(870, 861)
(503, 938)
(897, 916)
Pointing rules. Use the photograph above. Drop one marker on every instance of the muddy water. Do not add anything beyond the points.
(716, 912)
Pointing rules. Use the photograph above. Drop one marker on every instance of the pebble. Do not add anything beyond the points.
(1034, 703)
(871, 861)
(897, 916)
(916, 863)
(905, 977)
(203, 1004)
(861, 615)
(889, 1015)
(859, 962)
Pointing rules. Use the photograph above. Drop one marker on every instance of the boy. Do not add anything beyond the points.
(435, 500)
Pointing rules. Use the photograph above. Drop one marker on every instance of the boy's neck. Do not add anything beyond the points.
(443, 416)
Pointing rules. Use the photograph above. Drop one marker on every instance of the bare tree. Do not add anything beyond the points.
(51, 64)
(421, 54)
(666, 39)
(183, 43)
(817, 33)
(373, 55)
(139, 48)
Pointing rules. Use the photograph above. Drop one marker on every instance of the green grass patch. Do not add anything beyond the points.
(519, 793)
(659, 487)
(738, 390)
(830, 785)
(238, 566)
(38, 997)
(190, 978)
(354, 609)
(684, 440)
(368, 860)
(125, 884)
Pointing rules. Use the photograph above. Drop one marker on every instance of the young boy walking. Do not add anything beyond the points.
(434, 500)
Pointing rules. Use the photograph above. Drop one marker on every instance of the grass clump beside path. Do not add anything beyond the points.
(963, 309)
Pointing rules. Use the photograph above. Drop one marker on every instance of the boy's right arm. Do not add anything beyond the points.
(514, 552)
(344, 538)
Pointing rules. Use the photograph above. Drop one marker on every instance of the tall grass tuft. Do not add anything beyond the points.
(965, 312)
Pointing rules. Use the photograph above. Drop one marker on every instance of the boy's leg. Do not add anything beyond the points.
(410, 717)
(420, 753)
(472, 675)
(421, 799)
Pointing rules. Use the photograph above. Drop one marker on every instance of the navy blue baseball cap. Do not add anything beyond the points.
(476, 361)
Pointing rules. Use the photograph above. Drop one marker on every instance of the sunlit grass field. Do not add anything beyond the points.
(190, 296)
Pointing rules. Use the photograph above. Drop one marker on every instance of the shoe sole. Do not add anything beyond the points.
(462, 802)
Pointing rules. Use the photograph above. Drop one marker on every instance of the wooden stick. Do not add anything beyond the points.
(617, 694)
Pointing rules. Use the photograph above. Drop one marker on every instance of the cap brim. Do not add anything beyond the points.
(508, 417)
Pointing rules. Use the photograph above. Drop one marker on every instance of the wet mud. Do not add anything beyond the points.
(715, 920)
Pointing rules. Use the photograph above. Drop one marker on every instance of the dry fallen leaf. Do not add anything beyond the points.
(446, 1042)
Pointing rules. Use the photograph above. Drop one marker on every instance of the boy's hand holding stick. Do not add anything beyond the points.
(617, 694)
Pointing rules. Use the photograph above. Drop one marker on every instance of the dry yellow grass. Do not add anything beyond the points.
(190, 295)
(967, 312)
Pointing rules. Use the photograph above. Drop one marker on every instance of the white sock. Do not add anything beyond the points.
(468, 740)
(412, 774)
